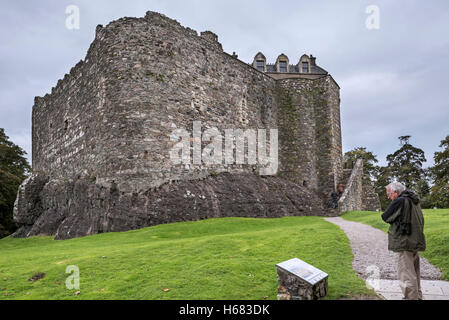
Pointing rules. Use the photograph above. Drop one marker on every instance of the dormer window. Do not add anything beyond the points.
(259, 62)
(305, 67)
(282, 66)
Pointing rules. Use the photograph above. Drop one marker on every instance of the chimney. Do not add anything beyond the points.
(312, 60)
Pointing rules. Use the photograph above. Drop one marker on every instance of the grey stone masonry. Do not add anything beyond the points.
(359, 192)
(351, 198)
(80, 207)
(101, 139)
(298, 280)
(370, 199)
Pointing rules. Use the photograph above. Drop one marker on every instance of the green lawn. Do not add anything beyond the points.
(226, 258)
(436, 230)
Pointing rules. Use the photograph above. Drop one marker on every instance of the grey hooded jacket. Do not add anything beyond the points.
(406, 221)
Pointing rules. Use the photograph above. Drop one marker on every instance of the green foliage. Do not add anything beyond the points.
(440, 174)
(436, 230)
(13, 170)
(405, 165)
(423, 189)
(224, 258)
(214, 174)
(368, 158)
(383, 178)
(12, 157)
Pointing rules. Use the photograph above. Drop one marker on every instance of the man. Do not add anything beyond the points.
(340, 189)
(337, 195)
(334, 196)
(406, 237)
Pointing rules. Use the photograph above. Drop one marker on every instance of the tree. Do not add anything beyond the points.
(382, 180)
(368, 158)
(423, 189)
(440, 173)
(405, 165)
(14, 168)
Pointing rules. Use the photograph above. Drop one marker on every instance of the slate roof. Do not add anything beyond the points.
(295, 69)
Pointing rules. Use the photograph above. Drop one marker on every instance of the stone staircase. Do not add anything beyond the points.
(359, 191)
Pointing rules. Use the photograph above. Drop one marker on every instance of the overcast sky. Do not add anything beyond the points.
(394, 80)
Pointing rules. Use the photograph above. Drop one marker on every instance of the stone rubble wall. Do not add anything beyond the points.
(67, 135)
(359, 192)
(157, 76)
(80, 207)
(110, 119)
(291, 287)
(310, 141)
(112, 116)
(370, 199)
(351, 199)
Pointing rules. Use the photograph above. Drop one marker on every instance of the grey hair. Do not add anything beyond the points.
(396, 186)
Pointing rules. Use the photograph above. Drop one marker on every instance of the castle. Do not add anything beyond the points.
(101, 139)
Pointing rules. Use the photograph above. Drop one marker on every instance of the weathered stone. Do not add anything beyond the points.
(299, 281)
(282, 289)
(370, 199)
(283, 297)
(309, 133)
(28, 207)
(81, 207)
(103, 135)
(359, 193)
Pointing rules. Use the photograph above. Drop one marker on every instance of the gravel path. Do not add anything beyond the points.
(370, 248)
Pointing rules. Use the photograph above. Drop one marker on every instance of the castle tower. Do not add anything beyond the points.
(102, 139)
(309, 122)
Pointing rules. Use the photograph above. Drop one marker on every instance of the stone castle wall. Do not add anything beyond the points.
(310, 135)
(67, 125)
(158, 77)
(102, 137)
(371, 201)
(80, 207)
(145, 77)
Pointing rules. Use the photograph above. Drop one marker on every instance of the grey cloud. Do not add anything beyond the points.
(393, 80)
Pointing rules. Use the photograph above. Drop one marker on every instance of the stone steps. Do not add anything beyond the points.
(390, 289)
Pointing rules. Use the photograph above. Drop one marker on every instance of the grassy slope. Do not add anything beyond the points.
(227, 258)
(436, 230)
